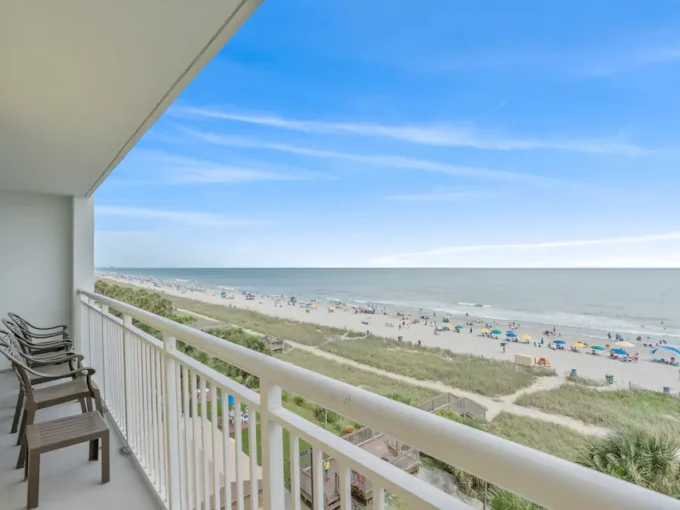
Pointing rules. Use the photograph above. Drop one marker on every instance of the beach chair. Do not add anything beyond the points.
(37, 331)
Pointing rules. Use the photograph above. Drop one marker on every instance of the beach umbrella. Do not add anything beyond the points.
(483, 330)
(459, 326)
(668, 348)
(442, 325)
(559, 342)
(597, 348)
(526, 337)
(623, 343)
(496, 332)
(578, 344)
(620, 352)
(511, 335)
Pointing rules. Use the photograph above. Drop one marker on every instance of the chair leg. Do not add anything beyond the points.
(106, 458)
(83, 405)
(17, 412)
(30, 417)
(33, 480)
(20, 439)
(94, 449)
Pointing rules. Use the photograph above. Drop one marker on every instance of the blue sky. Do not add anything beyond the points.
(460, 134)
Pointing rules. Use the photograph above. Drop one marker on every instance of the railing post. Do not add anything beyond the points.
(171, 423)
(272, 446)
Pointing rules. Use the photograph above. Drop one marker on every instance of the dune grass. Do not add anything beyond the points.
(538, 434)
(302, 332)
(610, 409)
(357, 377)
(471, 373)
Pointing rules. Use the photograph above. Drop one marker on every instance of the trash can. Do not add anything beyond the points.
(400, 338)
(573, 372)
(666, 389)
(610, 379)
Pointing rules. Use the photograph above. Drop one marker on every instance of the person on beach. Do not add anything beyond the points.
(326, 467)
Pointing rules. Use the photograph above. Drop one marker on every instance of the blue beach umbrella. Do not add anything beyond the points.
(511, 335)
(620, 352)
(669, 348)
(559, 342)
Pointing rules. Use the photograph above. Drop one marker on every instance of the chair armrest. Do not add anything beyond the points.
(62, 327)
(57, 360)
(62, 334)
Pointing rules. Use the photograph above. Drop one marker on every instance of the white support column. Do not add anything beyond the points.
(82, 268)
(171, 424)
(272, 446)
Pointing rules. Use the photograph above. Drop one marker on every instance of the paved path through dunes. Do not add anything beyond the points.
(493, 405)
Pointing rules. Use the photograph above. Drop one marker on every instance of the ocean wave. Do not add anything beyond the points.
(476, 305)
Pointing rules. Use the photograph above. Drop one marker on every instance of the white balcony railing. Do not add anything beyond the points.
(152, 391)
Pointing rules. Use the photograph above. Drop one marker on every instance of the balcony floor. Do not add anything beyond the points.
(67, 480)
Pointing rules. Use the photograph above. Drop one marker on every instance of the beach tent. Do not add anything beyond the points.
(668, 348)
(623, 344)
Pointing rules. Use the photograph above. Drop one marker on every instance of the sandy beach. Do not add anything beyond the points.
(385, 322)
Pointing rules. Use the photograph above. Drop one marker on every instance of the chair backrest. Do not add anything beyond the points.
(19, 334)
(19, 321)
(15, 356)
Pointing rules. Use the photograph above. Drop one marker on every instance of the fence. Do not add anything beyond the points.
(460, 405)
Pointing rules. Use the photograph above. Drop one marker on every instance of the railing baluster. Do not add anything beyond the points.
(226, 426)
(172, 437)
(318, 480)
(238, 440)
(252, 454)
(195, 443)
(345, 480)
(378, 497)
(188, 439)
(215, 436)
(295, 470)
(205, 449)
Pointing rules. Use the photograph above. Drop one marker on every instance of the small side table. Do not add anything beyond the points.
(56, 434)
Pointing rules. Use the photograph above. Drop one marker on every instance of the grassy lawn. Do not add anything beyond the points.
(302, 332)
(480, 375)
(357, 377)
(537, 434)
(611, 409)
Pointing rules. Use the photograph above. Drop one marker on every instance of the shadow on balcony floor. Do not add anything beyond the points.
(67, 480)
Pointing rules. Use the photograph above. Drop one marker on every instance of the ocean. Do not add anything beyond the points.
(593, 301)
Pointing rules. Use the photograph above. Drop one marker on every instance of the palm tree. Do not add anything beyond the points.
(638, 456)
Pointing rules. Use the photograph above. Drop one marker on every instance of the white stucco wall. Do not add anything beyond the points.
(36, 258)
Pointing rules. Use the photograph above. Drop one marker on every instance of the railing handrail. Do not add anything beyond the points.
(539, 477)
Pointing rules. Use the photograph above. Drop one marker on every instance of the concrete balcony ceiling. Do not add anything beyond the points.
(82, 81)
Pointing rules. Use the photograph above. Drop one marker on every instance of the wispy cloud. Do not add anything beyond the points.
(437, 135)
(435, 196)
(395, 259)
(181, 217)
(378, 161)
(174, 169)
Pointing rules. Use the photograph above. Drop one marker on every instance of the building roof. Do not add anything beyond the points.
(82, 81)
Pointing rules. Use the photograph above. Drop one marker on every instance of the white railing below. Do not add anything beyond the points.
(159, 397)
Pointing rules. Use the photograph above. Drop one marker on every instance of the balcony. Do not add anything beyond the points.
(181, 455)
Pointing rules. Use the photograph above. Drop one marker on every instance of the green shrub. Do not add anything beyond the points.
(299, 401)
